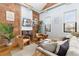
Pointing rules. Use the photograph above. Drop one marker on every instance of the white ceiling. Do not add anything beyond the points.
(37, 6)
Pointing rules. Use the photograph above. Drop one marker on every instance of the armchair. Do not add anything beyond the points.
(49, 47)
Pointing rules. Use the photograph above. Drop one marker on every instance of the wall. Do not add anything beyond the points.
(28, 14)
(57, 25)
(14, 8)
(35, 15)
(25, 13)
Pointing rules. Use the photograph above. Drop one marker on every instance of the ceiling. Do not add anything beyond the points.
(40, 7)
(37, 6)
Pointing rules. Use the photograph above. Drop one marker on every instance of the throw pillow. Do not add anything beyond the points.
(63, 49)
(59, 43)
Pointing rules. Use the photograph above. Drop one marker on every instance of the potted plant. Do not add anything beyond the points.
(39, 27)
(6, 33)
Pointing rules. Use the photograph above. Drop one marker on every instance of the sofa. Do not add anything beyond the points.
(72, 48)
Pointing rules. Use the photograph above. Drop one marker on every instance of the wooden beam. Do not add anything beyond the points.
(48, 5)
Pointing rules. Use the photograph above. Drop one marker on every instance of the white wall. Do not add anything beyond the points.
(57, 25)
(25, 13)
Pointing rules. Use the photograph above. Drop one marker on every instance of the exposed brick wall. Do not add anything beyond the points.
(35, 15)
(17, 10)
(14, 8)
(35, 28)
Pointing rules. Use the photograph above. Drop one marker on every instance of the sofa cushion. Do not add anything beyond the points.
(74, 42)
(45, 41)
(50, 46)
(59, 43)
(73, 52)
(73, 47)
(57, 38)
(65, 38)
(63, 49)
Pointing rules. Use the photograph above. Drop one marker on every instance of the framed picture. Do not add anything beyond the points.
(26, 22)
(10, 16)
(47, 22)
(48, 27)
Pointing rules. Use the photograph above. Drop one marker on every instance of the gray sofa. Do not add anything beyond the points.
(72, 51)
(50, 47)
(47, 47)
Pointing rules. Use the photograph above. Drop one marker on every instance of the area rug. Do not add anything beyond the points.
(26, 51)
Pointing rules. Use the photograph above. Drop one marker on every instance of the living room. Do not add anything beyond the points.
(39, 29)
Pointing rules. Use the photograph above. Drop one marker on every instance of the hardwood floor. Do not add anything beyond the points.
(6, 51)
(37, 53)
